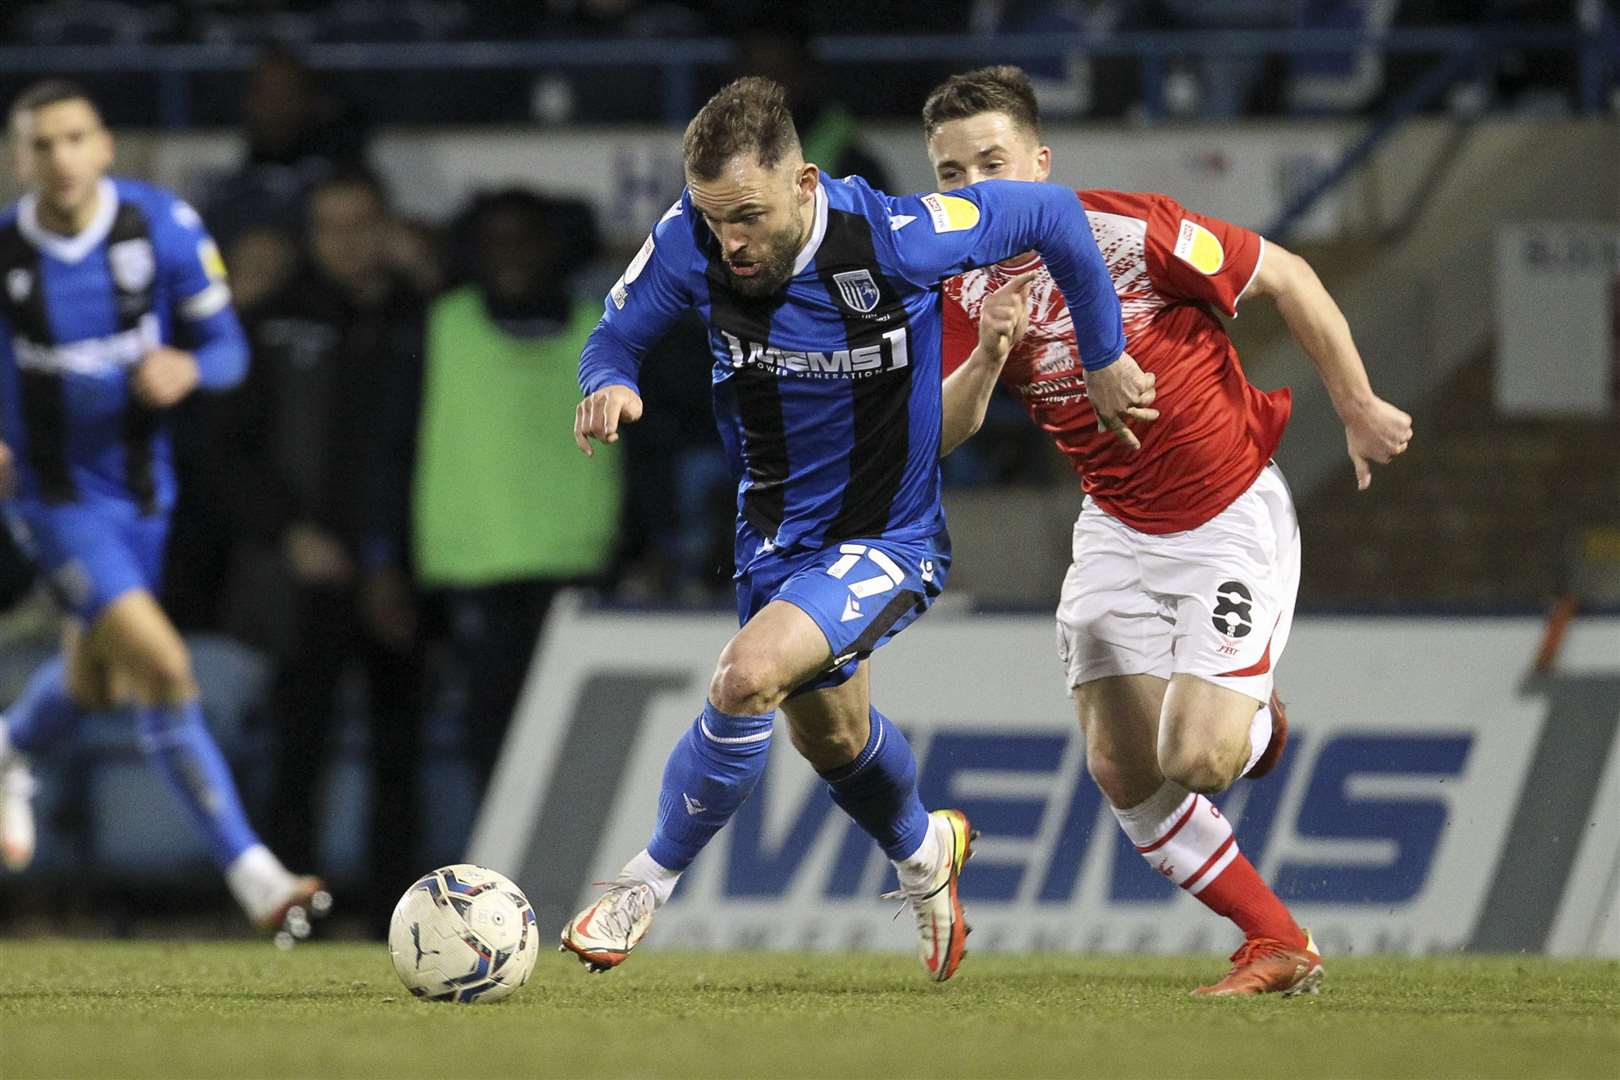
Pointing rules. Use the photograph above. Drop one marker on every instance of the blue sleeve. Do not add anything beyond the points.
(941, 235)
(195, 273)
(641, 306)
(221, 349)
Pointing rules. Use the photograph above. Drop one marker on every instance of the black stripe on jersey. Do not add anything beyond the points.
(758, 398)
(132, 286)
(882, 423)
(44, 410)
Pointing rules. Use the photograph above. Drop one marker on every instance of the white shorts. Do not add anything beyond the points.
(1216, 601)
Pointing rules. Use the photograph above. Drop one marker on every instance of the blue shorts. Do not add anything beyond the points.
(91, 552)
(860, 593)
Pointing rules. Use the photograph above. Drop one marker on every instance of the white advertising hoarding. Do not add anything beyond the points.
(1394, 823)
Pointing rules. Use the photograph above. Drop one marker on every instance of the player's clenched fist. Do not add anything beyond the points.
(1119, 393)
(1005, 316)
(600, 414)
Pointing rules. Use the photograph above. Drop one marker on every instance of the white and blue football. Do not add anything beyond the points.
(464, 934)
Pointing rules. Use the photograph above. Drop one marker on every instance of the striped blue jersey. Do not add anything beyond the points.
(77, 313)
(827, 393)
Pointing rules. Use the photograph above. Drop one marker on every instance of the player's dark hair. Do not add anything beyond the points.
(749, 115)
(49, 92)
(1003, 88)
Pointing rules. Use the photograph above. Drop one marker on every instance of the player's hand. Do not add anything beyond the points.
(8, 472)
(600, 414)
(1120, 393)
(164, 376)
(1005, 317)
(1375, 432)
(316, 556)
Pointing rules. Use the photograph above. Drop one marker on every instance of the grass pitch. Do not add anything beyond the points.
(242, 1009)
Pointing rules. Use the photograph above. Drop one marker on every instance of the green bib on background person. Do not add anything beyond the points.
(502, 493)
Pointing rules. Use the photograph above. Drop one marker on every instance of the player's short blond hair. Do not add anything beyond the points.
(1004, 88)
(749, 115)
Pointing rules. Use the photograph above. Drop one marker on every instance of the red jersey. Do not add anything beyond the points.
(1171, 269)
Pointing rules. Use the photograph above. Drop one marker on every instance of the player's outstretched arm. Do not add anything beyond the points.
(966, 393)
(639, 308)
(1375, 430)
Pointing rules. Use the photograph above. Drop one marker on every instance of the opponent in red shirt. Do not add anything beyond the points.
(1186, 551)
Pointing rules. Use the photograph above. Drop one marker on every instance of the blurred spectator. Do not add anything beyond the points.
(778, 46)
(1078, 84)
(1223, 86)
(321, 577)
(683, 498)
(296, 133)
(507, 509)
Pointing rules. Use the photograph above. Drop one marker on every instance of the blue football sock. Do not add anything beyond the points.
(879, 790)
(708, 775)
(43, 712)
(177, 740)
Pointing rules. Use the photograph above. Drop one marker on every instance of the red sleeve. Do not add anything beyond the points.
(959, 334)
(1194, 257)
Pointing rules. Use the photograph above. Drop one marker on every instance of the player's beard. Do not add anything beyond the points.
(775, 262)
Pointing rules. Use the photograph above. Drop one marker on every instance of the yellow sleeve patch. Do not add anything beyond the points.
(950, 213)
(213, 263)
(1198, 248)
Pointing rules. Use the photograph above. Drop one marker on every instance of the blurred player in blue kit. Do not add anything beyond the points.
(102, 281)
(824, 321)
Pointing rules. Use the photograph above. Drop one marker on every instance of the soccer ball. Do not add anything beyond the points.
(463, 933)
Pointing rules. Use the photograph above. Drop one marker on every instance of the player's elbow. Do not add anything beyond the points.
(1284, 275)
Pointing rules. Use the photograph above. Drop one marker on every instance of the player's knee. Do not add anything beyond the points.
(1206, 769)
(744, 684)
(1120, 782)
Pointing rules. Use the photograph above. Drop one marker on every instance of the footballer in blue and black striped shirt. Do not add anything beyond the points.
(822, 305)
(113, 308)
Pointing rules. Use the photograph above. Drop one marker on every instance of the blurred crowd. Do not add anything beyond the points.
(1090, 79)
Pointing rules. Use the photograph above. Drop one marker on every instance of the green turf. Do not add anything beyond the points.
(242, 1009)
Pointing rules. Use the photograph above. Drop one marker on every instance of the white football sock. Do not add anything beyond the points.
(258, 881)
(643, 867)
(1181, 835)
(918, 870)
(1259, 736)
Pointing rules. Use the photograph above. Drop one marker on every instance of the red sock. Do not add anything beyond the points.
(1239, 894)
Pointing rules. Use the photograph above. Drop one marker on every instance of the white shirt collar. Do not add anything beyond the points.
(69, 249)
(817, 231)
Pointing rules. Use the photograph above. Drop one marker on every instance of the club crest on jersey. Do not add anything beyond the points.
(858, 290)
(133, 264)
(19, 283)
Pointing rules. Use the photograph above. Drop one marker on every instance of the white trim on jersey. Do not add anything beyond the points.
(1258, 259)
(69, 249)
(207, 303)
(817, 232)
